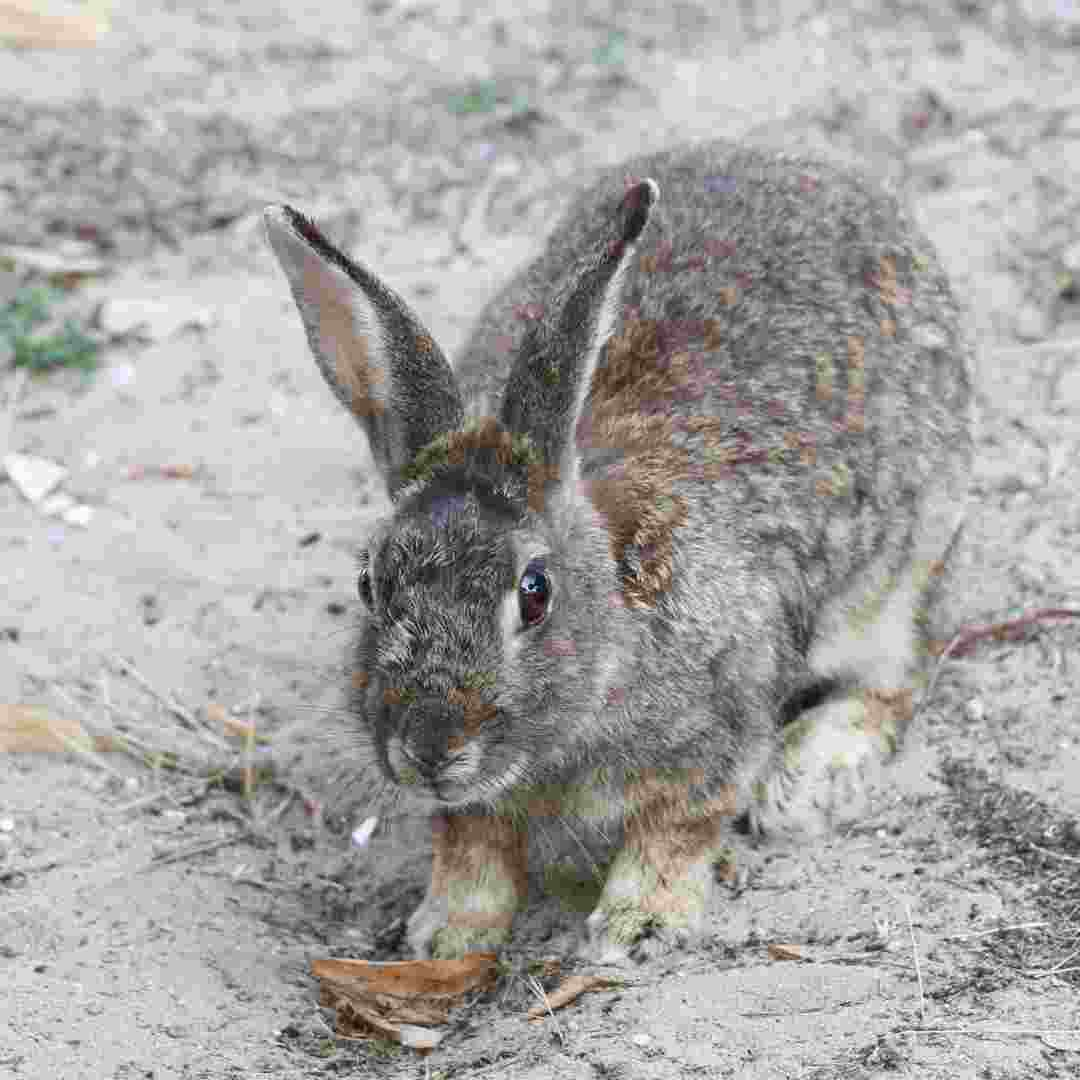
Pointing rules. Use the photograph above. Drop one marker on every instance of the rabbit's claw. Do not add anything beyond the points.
(626, 934)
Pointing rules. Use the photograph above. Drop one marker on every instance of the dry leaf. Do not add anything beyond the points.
(402, 1001)
(29, 729)
(52, 24)
(217, 716)
(785, 952)
(570, 990)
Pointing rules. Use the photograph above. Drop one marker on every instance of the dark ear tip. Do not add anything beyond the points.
(282, 217)
(641, 196)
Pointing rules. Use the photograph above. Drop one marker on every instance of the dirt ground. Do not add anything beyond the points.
(156, 920)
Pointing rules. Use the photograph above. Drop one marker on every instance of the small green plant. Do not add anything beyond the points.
(28, 310)
(480, 98)
(613, 51)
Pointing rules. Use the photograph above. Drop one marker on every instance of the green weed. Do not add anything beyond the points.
(67, 347)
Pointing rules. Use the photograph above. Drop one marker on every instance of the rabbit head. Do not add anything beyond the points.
(494, 611)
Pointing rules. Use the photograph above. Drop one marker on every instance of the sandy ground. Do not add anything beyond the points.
(153, 924)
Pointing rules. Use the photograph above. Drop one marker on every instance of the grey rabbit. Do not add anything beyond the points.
(661, 541)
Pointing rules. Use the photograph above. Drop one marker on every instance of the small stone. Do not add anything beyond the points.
(7, 824)
(80, 514)
(641, 1039)
(364, 831)
(1071, 258)
(419, 1038)
(34, 477)
(56, 505)
(975, 711)
(121, 375)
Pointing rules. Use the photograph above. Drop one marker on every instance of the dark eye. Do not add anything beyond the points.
(534, 593)
(363, 582)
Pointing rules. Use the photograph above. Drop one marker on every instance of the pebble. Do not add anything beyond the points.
(975, 711)
(79, 515)
(35, 477)
(121, 375)
(641, 1039)
(363, 832)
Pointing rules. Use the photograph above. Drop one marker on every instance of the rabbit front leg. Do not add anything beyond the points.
(657, 890)
(479, 878)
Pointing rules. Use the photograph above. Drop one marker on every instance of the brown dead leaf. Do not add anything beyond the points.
(402, 1000)
(784, 952)
(53, 24)
(217, 715)
(30, 729)
(726, 870)
(230, 725)
(569, 990)
(177, 472)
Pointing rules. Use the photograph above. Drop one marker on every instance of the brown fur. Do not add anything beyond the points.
(636, 499)
(472, 849)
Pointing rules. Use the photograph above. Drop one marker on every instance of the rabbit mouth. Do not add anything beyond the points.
(457, 780)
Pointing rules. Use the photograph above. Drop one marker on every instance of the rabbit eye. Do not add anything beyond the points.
(534, 593)
(363, 582)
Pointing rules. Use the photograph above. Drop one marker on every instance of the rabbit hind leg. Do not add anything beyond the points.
(868, 660)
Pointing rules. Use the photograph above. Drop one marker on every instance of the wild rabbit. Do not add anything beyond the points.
(660, 542)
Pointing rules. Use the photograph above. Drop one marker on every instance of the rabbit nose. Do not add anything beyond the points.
(429, 736)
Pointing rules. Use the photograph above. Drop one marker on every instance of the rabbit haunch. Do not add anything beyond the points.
(726, 430)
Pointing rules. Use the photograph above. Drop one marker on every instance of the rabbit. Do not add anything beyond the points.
(661, 543)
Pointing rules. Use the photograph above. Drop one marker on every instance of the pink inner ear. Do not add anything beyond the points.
(343, 345)
(636, 196)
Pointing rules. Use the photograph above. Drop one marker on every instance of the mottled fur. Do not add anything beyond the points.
(728, 409)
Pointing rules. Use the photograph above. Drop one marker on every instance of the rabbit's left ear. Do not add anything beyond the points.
(370, 347)
(553, 371)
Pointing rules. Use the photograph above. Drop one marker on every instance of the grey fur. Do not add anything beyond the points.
(821, 416)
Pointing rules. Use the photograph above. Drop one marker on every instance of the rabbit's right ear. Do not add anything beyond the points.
(372, 350)
(554, 367)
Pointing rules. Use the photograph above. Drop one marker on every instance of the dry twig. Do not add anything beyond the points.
(1008, 630)
(918, 969)
(196, 850)
(569, 990)
(185, 716)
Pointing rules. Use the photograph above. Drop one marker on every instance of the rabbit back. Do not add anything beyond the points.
(787, 379)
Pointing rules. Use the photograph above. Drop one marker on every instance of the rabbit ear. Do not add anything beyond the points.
(372, 350)
(554, 368)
